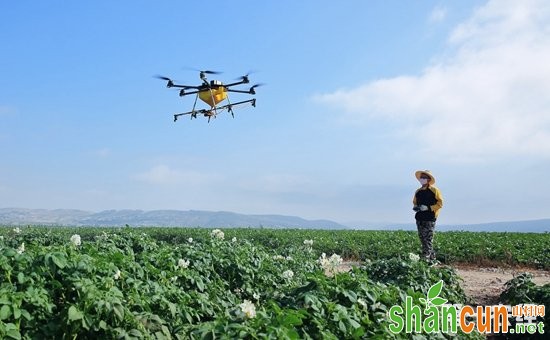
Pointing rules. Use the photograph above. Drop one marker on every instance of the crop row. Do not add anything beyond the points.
(525, 249)
(149, 284)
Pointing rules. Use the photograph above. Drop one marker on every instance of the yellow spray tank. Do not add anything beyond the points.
(215, 94)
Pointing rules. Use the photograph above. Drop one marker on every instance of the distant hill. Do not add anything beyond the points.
(173, 218)
(531, 226)
(218, 219)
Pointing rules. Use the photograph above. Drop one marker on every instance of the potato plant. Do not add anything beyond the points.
(133, 283)
(163, 283)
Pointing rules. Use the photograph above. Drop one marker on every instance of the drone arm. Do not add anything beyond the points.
(183, 93)
(239, 91)
(230, 106)
(193, 113)
(237, 83)
(177, 86)
(183, 86)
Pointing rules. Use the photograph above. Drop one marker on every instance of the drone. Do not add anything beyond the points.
(212, 93)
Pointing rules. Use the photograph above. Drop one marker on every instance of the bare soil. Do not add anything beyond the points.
(483, 285)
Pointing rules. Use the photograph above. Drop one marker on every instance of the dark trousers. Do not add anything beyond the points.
(426, 235)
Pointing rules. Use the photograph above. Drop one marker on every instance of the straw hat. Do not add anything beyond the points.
(425, 172)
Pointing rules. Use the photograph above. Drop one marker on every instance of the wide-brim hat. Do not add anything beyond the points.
(425, 172)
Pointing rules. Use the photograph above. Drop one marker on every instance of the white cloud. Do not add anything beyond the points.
(164, 175)
(438, 14)
(486, 97)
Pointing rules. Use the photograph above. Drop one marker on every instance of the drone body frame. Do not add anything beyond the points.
(212, 93)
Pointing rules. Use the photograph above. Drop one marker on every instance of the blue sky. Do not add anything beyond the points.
(359, 95)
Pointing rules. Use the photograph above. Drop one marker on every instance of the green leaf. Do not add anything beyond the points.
(200, 284)
(74, 314)
(358, 333)
(119, 311)
(438, 301)
(26, 314)
(5, 312)
(135, 333)
(435, 290)
(13, 334)
(10, 252)
(352, 296)
(342, 326)
(354, 323)
(16, 312)
(59, 259)
(172, 307)
(292, 320)
(188, 317)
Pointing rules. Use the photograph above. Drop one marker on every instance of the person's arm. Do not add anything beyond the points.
(414, 198)
(439, 200)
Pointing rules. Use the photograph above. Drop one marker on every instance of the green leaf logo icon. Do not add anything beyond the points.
(435, 290)
(433, 298)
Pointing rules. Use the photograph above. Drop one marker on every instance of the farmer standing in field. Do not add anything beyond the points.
(427, 201)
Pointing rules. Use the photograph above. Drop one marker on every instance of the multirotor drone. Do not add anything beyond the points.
(212, 92)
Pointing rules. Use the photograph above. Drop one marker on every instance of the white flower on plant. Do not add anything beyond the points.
(234, 239)
(414, 257)
(16, 230)
(362, 302)
(288, 274)
(102, 237)
(308, 245)
(330, 264)
(248, 309)
(117, 275)
(217, 233)
(75, 239)
(289, 258)
(256, 296)
(183, 263)
(21, 248)
(278, 257)
(190, 240)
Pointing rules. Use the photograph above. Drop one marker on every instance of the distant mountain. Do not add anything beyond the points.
(531, 226)
(218, 219)
(173, 218)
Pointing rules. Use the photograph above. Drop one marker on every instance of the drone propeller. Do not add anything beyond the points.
(202, 74)
(210, 72)
(244, 78)
(252, 89)
(170, 81)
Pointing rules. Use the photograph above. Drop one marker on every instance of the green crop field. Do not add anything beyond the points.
(181, 283)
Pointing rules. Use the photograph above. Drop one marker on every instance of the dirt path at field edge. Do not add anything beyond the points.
(485, 284)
